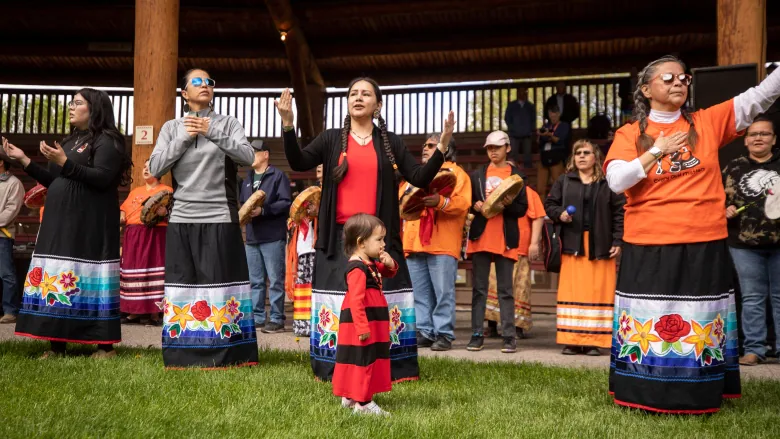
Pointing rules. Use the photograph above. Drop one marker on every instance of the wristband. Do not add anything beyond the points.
(656, 152)
(287, 128)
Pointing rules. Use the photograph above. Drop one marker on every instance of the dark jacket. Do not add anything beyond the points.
(571, 107)
(521, 120)
(325, 149)
(511, 212)
(559, 150)
(271, 225)
(747, 181)
(606, 216)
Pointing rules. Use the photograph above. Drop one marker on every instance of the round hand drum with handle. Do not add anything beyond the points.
(149, 216)
(35, 197)
(510, 187)
(412, 204)
(255, 200)
(299, 208)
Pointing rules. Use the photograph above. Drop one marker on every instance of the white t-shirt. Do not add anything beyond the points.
(306, 245)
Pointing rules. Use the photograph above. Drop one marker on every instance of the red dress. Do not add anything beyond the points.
(363, 367)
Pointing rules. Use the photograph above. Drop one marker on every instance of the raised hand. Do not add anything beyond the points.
(54, 154)
(386, 259)
(15, 153)
(284, 108)
(446, 132)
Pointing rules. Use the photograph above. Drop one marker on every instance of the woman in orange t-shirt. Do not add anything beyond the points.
(142, 266)
(674, 346)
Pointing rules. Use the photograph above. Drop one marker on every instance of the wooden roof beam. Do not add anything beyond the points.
(303, 69)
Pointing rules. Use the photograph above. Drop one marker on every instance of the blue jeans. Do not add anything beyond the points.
(8, 275)
(266, 262)
(433, 280)
(759, 278)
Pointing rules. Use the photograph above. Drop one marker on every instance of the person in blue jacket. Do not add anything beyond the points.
(266, 238)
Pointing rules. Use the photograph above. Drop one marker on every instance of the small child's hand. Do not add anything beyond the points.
(364, 337)
(386, 259)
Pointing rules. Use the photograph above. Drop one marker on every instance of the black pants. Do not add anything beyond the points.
(506, 301)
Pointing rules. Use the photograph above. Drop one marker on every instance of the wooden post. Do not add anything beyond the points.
(742, 33)
(317, 100)
(154, 69)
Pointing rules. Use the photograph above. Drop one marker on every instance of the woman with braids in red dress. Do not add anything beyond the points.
(360, 163)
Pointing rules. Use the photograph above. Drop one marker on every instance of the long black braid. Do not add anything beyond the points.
(341, 169)
(642, 106)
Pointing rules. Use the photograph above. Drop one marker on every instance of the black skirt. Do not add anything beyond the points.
(674, 343)
(208, 318)
(328, 291)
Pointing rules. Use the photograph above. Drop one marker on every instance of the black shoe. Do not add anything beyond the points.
(592, 351)
(510, 345)
(476, 343)
(273, 328)
(441, 344)
(571, 350)
(520, 333)
(423, 341)
(259, 325)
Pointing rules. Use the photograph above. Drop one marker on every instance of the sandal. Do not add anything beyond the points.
(130, 319)
(51, 354)
(592, 351)
(100, 353)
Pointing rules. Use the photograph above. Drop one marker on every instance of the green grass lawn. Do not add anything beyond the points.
(133, 396)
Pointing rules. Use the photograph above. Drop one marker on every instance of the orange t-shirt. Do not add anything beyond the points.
(134, 203)
(535, 211)
(492, 239)
(681, 200)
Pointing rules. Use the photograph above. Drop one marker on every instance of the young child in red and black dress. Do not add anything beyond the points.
(363, 351)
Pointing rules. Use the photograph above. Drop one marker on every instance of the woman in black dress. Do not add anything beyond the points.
(71, 292)
(360, 163)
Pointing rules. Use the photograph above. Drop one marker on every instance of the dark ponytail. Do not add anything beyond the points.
(341, 169)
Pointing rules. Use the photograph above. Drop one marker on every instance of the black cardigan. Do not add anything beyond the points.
(511, 213)
(325, 149)
(606, 224)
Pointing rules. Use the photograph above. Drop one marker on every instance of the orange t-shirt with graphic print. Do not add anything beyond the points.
(681, 200)
(535, 211)
(134, 204)
(492, 239)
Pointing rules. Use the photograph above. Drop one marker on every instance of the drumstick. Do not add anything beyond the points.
(769, 192)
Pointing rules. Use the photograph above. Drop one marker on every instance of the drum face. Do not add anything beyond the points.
(299, 206)
(254, 201)
(510, 187)
(412, 204)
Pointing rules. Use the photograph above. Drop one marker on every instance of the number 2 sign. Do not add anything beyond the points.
(144, 134)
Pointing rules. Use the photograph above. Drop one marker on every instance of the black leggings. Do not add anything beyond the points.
(59, 347)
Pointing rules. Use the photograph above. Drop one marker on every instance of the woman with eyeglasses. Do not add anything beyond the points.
(207, 310)
(674, 347)
(591, 236)
(360, 163)
(71, 292)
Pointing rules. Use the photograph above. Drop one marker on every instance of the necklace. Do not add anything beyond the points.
(374, 272)
(363, 141)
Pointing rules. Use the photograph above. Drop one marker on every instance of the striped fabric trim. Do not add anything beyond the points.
(656, 296)
(65, 258)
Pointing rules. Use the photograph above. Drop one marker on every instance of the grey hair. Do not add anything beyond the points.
(642, 106)
(451, 150)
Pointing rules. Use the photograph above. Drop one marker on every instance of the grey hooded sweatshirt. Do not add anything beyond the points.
(204, 168)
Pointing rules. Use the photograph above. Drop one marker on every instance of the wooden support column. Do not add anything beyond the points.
(742, 33)
(154, 69)
(317, 101)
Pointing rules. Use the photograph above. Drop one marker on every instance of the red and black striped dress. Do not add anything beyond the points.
(363, 367)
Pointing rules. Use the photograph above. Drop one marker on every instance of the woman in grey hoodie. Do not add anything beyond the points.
(207, 308)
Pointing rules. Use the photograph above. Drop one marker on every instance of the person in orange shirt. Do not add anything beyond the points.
(494, 240)
(530, 226)
(432, 251)
(674, 343)
(142, 265)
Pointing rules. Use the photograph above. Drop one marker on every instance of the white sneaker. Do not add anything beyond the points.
(371, 408)
(347, 403)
